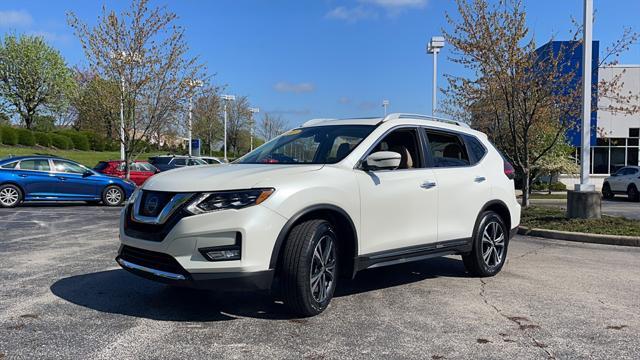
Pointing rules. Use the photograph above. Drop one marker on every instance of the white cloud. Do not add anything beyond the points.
(15, 18)
(303, 87)
(351, 14)
(51, 36)
(344, 100)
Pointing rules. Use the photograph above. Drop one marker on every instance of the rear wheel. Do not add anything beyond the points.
(310, 267)
(10, 196)
(112, 195)
(489, 248)
(632, 193)
(606, 191)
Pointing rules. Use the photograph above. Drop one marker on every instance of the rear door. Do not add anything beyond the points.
(36, 178)
(462, 182)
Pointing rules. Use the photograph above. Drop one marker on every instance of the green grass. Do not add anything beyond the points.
(548, 196)
(87, 158)
(554, 219)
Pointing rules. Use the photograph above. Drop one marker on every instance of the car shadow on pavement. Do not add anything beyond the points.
(119, 292)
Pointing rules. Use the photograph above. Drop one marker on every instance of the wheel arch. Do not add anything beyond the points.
(23, 193)
(339, 218)
(499, 207)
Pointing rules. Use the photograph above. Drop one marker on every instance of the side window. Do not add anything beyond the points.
(447, 149)
(475, 147)
(10, 165)
(35, 164)
(406, 143)
(179, 162)
(633, 171)
(68, 167)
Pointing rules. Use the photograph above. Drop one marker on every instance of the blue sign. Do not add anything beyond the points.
(195, 144)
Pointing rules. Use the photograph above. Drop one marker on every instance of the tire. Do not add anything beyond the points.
(606, 191)
(632, 193)
(10, 196)
(311, 250)
(490, 229)
(113, 195)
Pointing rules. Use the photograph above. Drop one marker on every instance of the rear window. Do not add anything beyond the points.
(476, 149)
(10, 165)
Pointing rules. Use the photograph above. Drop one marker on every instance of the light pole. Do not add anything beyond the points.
(193, 84)
(385, 104)
(226, 99)
(434, 46)
(123, 57)
(253, 111)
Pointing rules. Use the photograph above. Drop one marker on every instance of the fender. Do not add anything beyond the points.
(502, 204)
(297, 216)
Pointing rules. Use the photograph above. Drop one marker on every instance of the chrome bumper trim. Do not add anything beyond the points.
(155, 272)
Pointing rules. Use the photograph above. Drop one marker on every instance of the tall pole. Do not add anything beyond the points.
(122, 118)
(190, 114)
(585, 164)
(385, 104)
(252, 111)
(433, 47)
(225, 132)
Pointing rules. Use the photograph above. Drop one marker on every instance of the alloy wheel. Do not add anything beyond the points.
(323, 268)
(493, 244)
(9, 196)
(113, 196)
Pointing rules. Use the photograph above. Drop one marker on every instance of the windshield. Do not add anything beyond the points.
(311, 145)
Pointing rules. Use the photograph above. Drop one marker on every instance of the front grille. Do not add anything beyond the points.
(152, 232)
(152, 259)
(152, 202)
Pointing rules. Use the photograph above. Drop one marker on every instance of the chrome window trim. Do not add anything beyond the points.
(176, 201)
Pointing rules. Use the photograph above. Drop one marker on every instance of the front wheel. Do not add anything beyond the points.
(489, 248)
(112, 195)
(10, 196)
(310, 267)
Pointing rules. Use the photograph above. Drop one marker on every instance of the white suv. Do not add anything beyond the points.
(625, 181)
(322, 202)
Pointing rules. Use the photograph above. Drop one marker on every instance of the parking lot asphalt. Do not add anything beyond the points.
(62, 296)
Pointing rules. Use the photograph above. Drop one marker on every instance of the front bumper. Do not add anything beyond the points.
(162, 268)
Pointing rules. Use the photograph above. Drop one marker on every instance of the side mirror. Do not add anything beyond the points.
(383, 160)
(87, 173)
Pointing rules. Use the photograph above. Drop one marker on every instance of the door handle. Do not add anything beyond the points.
(23, 175)
(479, 179)
(62, 178)
(428, 184)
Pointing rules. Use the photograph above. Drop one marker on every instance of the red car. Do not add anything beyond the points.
(139, 171)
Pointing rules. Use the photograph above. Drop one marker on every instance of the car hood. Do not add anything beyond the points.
(225, 177)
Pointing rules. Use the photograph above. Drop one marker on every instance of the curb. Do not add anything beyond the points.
(582, 237)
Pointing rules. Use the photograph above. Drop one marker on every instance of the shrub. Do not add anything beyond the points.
(61, 142)
(558, 186)
(25, 137)
(8, 135)
(96, 142)
(42, 139)
(79, 141)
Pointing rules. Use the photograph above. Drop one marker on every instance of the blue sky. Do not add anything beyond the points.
(323, 58)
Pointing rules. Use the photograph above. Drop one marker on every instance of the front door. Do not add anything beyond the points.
(72, 183)
(398, 207)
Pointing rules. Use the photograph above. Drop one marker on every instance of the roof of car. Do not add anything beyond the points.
(378, 120)
(22, 157)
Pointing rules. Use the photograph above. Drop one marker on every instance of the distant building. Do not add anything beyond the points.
(614, 136)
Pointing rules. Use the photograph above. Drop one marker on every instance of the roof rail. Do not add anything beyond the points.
(315, 121)
(424, 117)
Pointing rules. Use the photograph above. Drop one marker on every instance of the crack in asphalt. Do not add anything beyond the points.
(520, 321)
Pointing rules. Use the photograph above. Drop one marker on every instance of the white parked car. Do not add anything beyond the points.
(625, 181)
(322, 202)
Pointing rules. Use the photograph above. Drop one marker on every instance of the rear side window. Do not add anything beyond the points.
(179, 162)
(447, 149)
(160, 160)
(476, 150)
(35, 164)
(10, 165)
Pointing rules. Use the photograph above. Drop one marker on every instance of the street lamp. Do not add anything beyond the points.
(385, 104)
(253, 111)
(193, 84)
(124, 58)
(226, 99)
(434, 46)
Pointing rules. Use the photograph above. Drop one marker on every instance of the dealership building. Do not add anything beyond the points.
(615, 135)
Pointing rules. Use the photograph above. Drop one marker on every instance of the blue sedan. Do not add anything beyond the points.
(45, 178)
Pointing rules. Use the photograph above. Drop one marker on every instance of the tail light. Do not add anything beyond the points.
(509, 171)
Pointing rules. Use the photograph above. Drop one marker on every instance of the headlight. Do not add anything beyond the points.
(133, 196)
(234, 199)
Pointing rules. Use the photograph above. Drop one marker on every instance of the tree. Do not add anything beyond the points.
(555, 162)
(271, 126)
(238, 124)
(207, 117)
(144, 51)
(33, 77)
(97, 105)
(524, 98)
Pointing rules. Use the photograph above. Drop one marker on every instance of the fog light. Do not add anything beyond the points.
(221, 255)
